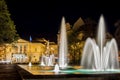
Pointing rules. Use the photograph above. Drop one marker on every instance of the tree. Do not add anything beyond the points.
(8, 32)
(117, 33)
(77, 36)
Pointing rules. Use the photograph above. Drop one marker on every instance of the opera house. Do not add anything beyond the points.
(22, 51)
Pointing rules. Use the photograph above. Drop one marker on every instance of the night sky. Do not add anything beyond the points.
(42, 18)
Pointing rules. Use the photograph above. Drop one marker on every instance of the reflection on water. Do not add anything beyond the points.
(37, 70)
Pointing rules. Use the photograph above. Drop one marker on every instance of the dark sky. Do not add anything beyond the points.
(42, 18)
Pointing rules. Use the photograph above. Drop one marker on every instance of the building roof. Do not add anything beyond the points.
(78, 23)
(22, 41)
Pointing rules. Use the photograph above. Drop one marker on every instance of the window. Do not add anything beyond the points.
(35, 49)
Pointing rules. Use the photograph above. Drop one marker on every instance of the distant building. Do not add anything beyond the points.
(23, 51)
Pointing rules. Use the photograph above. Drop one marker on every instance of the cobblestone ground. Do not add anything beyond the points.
(9, 72)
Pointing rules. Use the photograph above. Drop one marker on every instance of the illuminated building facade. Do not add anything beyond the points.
(23, 51)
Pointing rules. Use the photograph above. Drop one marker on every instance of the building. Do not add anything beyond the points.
(23, 51)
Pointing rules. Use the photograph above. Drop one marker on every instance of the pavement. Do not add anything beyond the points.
(9, 72)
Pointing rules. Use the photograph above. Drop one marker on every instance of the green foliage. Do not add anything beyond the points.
(77, 37)
(117, 33)
(8, 31)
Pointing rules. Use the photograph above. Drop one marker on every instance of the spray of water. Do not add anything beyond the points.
(99, 55)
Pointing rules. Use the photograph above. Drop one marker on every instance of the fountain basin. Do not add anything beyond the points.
(71, 73)
(41, 70)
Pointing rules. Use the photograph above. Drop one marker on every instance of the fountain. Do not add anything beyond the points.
(42, 61)
(100, 56)
(63, 46)
(56, 68)
(30, 64)
(99, 60)
(47, 60)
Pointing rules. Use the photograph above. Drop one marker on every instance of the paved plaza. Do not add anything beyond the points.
(9, 72)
